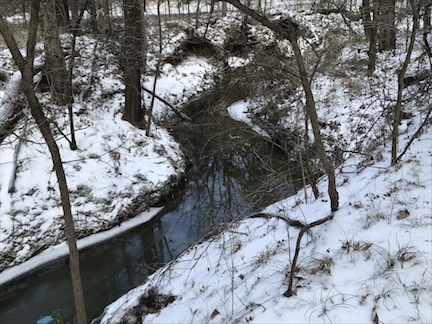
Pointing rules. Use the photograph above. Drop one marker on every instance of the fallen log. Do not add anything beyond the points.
(11, 100)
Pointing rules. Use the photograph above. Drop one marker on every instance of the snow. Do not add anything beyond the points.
(61, 250)
(239, 111)
(367, 259)
(372, 258)
(115, 163)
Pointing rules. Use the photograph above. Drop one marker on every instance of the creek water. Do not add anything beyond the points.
(233, 172)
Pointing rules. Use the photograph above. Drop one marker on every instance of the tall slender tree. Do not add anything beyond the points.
(401, 74)
(387, 28)
(26, 66)
(290, 30)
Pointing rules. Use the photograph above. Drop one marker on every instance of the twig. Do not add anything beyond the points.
(290, 222)
(416, 134)
(306, 228)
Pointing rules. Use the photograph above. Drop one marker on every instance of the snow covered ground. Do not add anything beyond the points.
(374, 257)
(370, 262)
(116, 172)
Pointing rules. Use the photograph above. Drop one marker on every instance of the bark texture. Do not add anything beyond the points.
(134, 112)
(57, 73)
(387, 28)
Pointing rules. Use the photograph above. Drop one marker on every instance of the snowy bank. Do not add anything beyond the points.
(116, 173)
(373, 258)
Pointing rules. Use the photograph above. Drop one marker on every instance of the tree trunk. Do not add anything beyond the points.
(387, 29)
(427, 26)
(401, 75)
(74, 9)
(366, 11)
(313, 117)
(26, 67)
(93, 16)
(427, 16)
(224, 9)
(134, 112)
(372, 52)
(42, 122)
(310, 173)
(290, 31)
(57, 73)
(62, 12)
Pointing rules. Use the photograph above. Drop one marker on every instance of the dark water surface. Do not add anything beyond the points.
(232, 174)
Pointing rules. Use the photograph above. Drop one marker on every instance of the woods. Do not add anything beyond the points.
(281, 56)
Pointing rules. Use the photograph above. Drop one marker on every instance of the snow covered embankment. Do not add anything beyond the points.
(116, 173)
(373, 258)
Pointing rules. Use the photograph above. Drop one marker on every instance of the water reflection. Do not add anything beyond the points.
(230, 176)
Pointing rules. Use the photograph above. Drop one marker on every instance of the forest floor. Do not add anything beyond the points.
(370, 262)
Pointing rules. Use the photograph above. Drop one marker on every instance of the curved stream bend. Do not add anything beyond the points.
(232, 173)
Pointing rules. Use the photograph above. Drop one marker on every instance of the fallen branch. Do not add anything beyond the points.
(416, 134)
(4, 75)
(306, 228)
(291, 222)
(12, 92)
(176, 111)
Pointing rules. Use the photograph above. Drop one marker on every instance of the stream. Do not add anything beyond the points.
(233, 173)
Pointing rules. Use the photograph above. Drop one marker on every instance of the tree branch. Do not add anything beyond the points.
(12, 44)
(177, 112)
(33, 27)
(306, 228)
(416, 134)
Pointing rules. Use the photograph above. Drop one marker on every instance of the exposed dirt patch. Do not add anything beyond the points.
(150, 302)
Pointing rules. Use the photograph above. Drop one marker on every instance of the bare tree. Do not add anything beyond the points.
(74, 9)
(387, 28)
(401, 75)
(25, 65)
(157, 71)
(366, 11)
(290, 30)
(134, 111)
(427, 25)
(373, 35)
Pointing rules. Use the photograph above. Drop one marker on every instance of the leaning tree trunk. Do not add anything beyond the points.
(401, 75)
(313, 117)
(42, 122)
(26, 67)
(290, 31)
